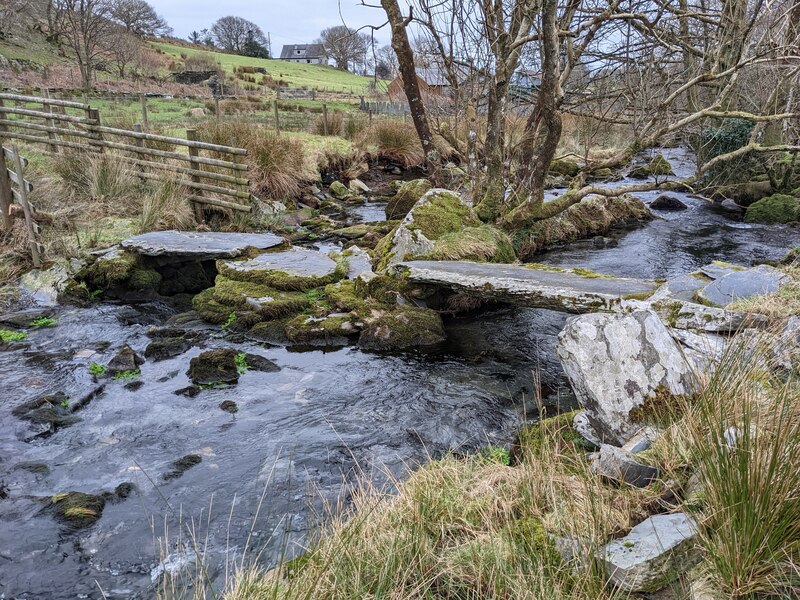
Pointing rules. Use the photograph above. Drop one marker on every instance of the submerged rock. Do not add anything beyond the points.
(205, 245)
(655, 553)
(404, 327)
(125, 361)
(180, 466)
(229, 406)
(47, 413)
(214, 366)
(617, 364)
(757, 281)
(667, 203)
(77, 509)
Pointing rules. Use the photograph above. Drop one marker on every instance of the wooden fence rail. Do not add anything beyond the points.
(221, 174)
(14, 187)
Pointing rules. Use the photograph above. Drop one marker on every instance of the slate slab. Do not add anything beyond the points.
(296, 262)
(757, 281)
(652, 555)
(199, 245)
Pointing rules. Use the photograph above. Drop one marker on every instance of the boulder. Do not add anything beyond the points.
(359, 264)
(690, 315)
(339, 190)
(641, 441)
(757, 281)
(667, 203)
(407, 195)
(616, 465)
(125, 361)
(45, 286)
(403, 327)
(583, 426)
(358, 186)
(616, 363)
(655, 553)
(703, 350)
(565, 167)
(682, 287)
(203, 245)
(658, 166)
(775, 209)
(485, 243)
(214, 366)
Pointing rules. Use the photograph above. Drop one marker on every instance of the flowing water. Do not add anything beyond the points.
(328, 416)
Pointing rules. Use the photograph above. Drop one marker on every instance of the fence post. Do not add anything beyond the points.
(27, 210)
(50, 122)
(3, 127)
(137, 127)
(94, 114)
(216, 106)
(277, 119)
(6, 196)
(324, 118)
(143, 103)
(191, 135)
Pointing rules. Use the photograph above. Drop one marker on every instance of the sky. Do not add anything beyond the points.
(286, 21)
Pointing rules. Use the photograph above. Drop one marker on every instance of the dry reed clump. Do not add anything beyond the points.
(165, 205)
(275, 161)
(335, 124)
(392, 140)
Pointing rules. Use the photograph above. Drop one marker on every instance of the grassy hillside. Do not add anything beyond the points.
(318, 77)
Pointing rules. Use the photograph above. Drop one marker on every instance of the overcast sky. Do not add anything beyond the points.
(286, 21)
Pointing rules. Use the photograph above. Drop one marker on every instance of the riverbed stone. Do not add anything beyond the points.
(359, 264)
(124, 361)
(682, 287)
(198, 245)
(292, 269)
(718, 269)
(711, 319)
(655, 552)
(77, 509)
(214, 366)
(617, 465)
(773, 210)
(403, 327)
(665, 202)
(658, 166)
(757, 281)
(616, 363)
(703, 350)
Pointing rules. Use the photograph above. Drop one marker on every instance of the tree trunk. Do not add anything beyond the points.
(493, 190)
(542, 131)
(405, 59)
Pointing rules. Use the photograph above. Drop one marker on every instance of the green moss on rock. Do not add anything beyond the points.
(773, 210)
(209, 309)
(214, 366)
(443, 212)
(268, 302)
(404, 327)
(658, 166)
(144, 279)
(408, 194)
(564, 166)
(307, 328)
(77, 509)
(110, 271)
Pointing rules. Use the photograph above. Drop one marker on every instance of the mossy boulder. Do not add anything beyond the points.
(484, 244)
(124, 361)
(407, 195)
(773, 210)
(209, 309)
(591, 217)
(111, 270)
(565, 167)
(333, 328)
(268, 302)
(659, 166)
(214, 366)
(339, 190)
(436, 214)
(743, 194)
(291, 269)
(603, 174)
(403, 327)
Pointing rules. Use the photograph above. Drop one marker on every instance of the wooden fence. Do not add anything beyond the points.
(214, 174)
(14, 189)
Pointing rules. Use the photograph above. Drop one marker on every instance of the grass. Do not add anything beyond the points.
(317, 77)
(241, 363)
(43, 322)
(127, 374)
(779, 305)
(6, 336)
(97, 369)
(392, 140)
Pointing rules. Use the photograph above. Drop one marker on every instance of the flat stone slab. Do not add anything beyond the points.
(743, 284)
(295, 262)
(199, 245)
(682, 287)
(656, 552)
(561, 289)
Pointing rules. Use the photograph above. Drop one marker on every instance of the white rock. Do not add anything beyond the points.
(653, 554)
(582, 425)
(612, 463)
(615, 362)
(642, 441)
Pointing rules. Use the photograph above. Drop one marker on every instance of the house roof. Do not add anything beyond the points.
(306, 51)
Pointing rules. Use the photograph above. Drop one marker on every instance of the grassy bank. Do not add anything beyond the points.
(494, 525)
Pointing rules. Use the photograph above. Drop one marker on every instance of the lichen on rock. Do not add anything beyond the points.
(407, 195)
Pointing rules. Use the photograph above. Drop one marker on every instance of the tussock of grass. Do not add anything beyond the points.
(166, 206)
(393, 140)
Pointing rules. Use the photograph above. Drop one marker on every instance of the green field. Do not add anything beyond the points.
(317, 77)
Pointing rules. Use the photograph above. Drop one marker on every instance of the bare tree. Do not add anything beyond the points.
(11, 12)
(386, 62)
(345, 46)
(88, 29)
(139, 18)
(233, 34)
(125, 51)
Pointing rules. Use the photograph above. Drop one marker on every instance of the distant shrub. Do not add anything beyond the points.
(393, 140)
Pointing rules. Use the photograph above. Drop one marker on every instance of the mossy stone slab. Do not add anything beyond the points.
(294, 262)
(199, 245)
(743, 284)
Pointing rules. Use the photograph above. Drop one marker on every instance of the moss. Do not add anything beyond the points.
(110, 271)
(658, 166)
(638, 295)
(307, 328)
(209, 309)
(404, 327)
(484, 244)
(183, 464)
(588, 274)
(543, 267)
(773, 210)
(443, 212)
(7, 336)
(268, 302)
(384, 289)
(382, 252)
(214, 366)
(339, 190)
(408, 194)
(271, 331)
(529, 535)
(533, 439)
(564, 166)
(144, 279)
(347, 296)
(77, 509)
(659, 409)
(283, 281)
